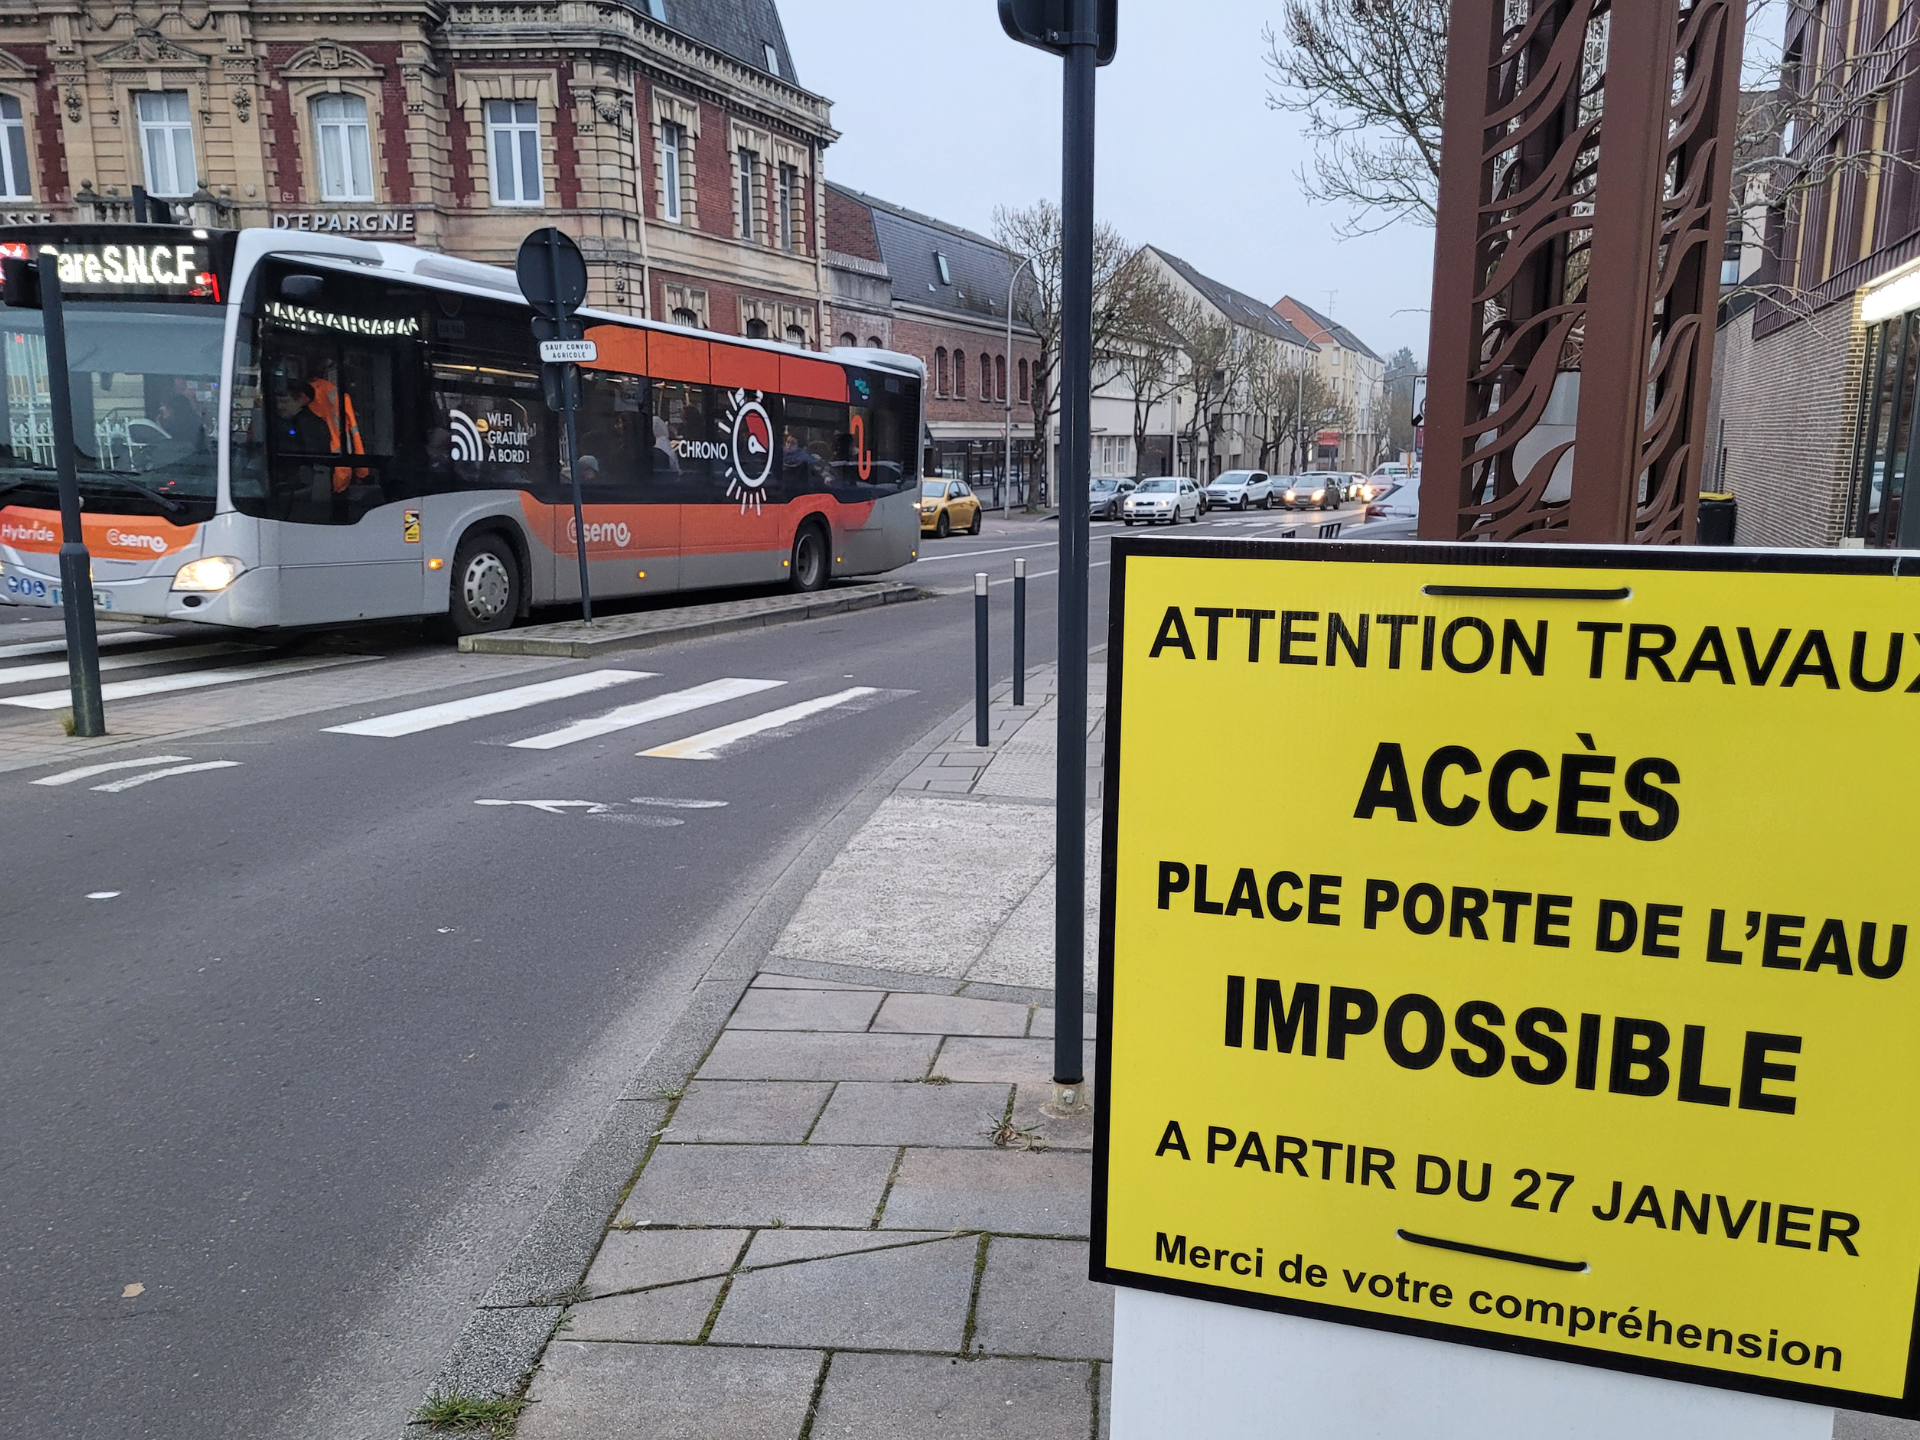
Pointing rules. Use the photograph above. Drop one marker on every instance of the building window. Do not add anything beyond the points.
(796, 336)
(999, 377)
(747, 158)
(13, 150)
(1023, 380)
(940, 371)
(959, 374)
(756, 329)
(671, 139)
(789, 188)
(873, 342)
(946, 271)
(657, 9)
(346, 149)
(773, 60)
(986, 376)
(686, 317)
(513, 148)
(847, 340)
(166, 143)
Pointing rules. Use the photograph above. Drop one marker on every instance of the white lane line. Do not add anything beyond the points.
(132, 780)
(54, 669)
(498, 702)
(1038, 575)
(196, 680)
(976, 554)
(658, 708)
(667, 803)
(87, 772)
(58, 647)
(708, 744)
(554, 807)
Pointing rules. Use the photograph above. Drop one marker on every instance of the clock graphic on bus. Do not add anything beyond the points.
(751, 451)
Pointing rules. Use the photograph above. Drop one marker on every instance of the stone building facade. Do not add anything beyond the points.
(670, 136)
(905, 282)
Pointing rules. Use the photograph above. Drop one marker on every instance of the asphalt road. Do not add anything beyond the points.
(301, 1070)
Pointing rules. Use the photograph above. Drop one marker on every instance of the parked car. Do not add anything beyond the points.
(946, 506)
(1400, 505)
(1380, 482)
(1167, 498)
(1312, 492)
(1105, 496)
(1241, 490)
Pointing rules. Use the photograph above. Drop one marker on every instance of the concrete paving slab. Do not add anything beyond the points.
(1021, 1192)
(912, 1114)
(1053, 1132)
(759, 1184)
(766, 980)
(922, 1397)
(798, 1055)
(805, 1010)
(1021, 951)
(634, 1259)
(777, 1247)
(1043, 1023)
(669, 1392)
(949, 1015)
(766, 1112)
(677, 1312)
(916, 922)
(1035, 1299)
(1026, 1062)
(911, 1298)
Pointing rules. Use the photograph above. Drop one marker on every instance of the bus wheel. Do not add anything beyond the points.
(810, 559)
(486, 586)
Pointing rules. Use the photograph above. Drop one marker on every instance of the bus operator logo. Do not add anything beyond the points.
(752, 431)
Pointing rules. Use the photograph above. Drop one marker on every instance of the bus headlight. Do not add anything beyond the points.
(214, 572)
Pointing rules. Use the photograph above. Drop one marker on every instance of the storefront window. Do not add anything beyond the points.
(1886, 427)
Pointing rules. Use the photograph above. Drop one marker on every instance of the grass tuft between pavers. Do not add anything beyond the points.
(468, 1414)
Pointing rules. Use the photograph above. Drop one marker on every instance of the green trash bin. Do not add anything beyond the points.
(1718, 510)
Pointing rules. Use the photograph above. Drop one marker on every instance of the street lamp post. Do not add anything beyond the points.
(1006, 485)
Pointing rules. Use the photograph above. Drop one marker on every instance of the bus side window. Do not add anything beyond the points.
(896, 431)
(682, 446)
(815, 442)
(488, 423)
(614, 428)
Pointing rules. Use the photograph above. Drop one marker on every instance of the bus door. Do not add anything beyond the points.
(334, 450)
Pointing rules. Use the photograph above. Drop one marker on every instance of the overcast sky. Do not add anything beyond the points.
(941, 113)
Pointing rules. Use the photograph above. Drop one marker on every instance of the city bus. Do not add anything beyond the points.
(284, 429)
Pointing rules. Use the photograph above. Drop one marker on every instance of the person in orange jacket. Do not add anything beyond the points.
(335, 406)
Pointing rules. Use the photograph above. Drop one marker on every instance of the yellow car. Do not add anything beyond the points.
(947, 506)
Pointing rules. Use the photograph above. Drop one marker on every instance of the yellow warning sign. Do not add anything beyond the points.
(1517, 953)
(410, 526)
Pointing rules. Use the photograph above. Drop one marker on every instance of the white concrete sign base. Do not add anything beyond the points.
(1190, 1367)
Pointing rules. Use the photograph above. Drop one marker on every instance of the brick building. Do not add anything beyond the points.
(904, 282)
(671, 136)
(1814, 369)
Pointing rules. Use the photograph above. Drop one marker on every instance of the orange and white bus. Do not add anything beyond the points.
(280, 429)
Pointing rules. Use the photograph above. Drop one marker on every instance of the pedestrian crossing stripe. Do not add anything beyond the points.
(660, 707)
(496, 702)
(708, 744)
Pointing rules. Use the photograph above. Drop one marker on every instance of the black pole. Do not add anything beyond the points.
(76, 566)
(980, 659)
(569, 397)
(1076, 367)
(1019, 632)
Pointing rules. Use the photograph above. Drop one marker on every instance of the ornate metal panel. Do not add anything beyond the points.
(1584, 173)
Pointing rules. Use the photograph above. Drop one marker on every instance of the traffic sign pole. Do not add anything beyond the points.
(76, 565)
(569, 399)
(1076, 364)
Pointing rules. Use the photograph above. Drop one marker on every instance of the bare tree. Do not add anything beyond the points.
(1369, 76)
(1143, 349)
(1033, 234)
(1289, 400)
(1215, 358)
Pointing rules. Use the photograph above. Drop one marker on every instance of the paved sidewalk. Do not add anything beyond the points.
(858, 1219)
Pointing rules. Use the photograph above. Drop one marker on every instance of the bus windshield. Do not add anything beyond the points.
(145, 381)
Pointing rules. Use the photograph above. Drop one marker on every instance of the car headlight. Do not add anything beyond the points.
(213, 572)
(1319, 494)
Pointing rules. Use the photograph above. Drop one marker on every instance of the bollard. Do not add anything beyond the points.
(980, 658)
(1019, 632)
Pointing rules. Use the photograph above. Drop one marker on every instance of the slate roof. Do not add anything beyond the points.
(740, 28)
(1345, 337)
(910, 243)
(1238, 306)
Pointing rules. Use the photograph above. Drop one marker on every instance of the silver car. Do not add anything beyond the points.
(1170, 498)
(1312, 492)
(1105, 495)
(1241, 490)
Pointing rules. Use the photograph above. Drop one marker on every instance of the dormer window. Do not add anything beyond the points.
(657, 9)
(946, 274)
(773, 60)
